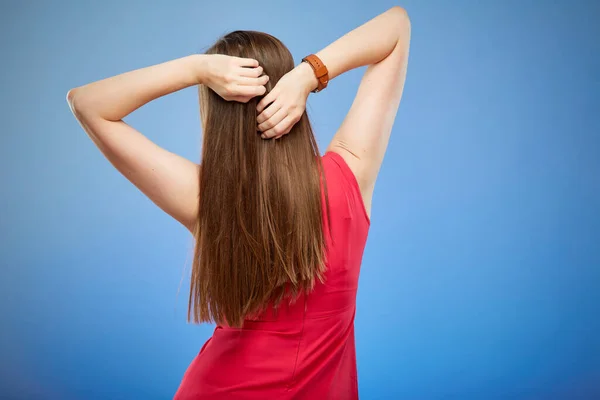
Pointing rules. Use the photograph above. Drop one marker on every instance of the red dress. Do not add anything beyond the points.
(307, 350)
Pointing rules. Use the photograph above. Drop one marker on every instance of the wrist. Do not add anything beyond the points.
(307, 76)
(200, 67)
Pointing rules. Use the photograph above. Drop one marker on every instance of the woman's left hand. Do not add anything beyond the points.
(283, 107)
(233, 78)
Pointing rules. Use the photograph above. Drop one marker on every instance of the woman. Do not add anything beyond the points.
(280, 231)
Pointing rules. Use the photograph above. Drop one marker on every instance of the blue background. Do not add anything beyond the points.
(481, 276)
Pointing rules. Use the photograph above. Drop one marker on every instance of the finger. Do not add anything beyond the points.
(273, 121)
(280, 129)
(246, 81)
(268, 113)
(240, 98)
(251, 91)
(251, 72)
(268, 99)
(248, 62)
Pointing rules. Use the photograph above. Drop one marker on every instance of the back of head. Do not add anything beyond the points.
(260, 223)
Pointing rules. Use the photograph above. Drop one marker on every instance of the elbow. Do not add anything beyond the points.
(71, 96)
(402, 18)
(399, 12)
(73, 100)
(78, 103)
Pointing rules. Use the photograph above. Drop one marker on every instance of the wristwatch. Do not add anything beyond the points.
(320, 71)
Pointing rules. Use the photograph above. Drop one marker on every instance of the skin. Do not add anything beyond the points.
(170, 181)
(383, 45)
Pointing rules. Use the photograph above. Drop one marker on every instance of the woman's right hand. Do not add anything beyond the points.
(233, 78)
(284, 105)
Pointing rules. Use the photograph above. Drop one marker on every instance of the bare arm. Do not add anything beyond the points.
(362, 139)
(368, 44)
(382, 43)
(169, 180)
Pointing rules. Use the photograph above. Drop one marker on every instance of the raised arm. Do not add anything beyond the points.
(362, 139)
(169, 180)
(381, 43)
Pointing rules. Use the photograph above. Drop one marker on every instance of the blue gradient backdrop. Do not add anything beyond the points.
(481, 277)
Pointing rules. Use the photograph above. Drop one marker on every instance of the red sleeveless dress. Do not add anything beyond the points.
(306, 350)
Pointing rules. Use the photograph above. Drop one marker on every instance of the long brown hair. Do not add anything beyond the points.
(259, 234)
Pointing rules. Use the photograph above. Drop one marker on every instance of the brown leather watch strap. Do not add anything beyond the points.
(320, 71)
